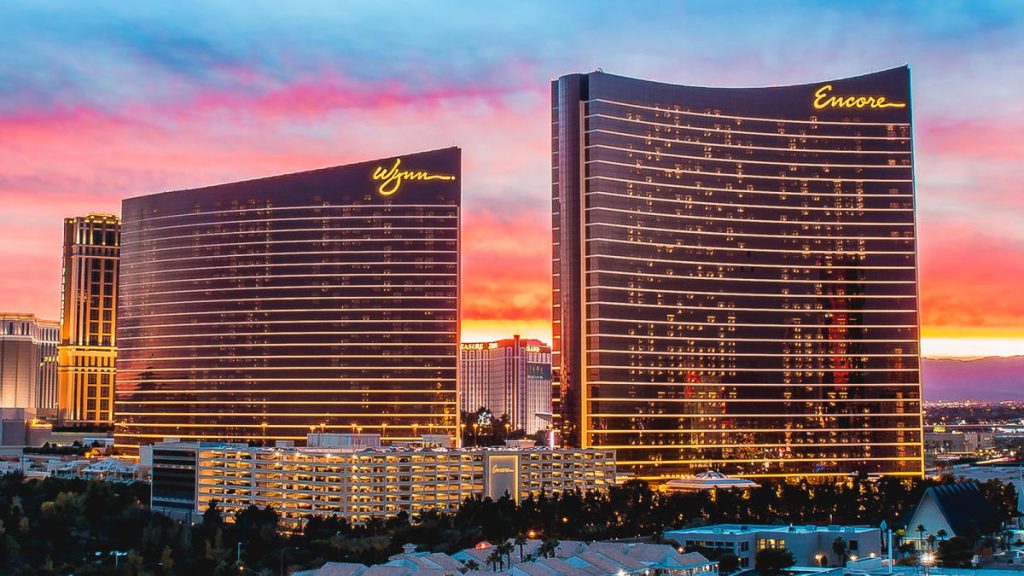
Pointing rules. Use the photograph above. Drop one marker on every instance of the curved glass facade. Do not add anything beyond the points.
(735, 276)
(328, 300)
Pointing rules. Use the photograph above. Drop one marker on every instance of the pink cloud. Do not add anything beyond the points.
(970, 278)
(86, 160)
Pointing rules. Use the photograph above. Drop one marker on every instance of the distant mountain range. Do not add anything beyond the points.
(983, 379)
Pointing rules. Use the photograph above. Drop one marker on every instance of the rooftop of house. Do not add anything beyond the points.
(728, 529)
(571, 558)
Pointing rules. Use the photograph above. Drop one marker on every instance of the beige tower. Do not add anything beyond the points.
(88, 318)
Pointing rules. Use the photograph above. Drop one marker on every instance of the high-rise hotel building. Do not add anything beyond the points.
(327, 300)
(28, 363)
(735, 277)
(88, 320)
(510, 376)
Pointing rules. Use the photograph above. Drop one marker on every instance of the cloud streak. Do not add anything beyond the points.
(98, 103)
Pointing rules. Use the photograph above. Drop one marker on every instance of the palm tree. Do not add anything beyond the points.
(520, 541)
(547, 548)
(931, 542)
(494, 559)
(920, 536)
(471, 565)
(942, 534)
(507, 548)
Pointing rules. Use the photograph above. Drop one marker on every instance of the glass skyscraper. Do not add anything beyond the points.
(735, 276)
(325, 300)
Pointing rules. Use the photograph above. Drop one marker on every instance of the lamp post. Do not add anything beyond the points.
(927, 559)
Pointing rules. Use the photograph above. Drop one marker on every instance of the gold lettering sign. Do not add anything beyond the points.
(823, 98)
(499, 469)
(391, 179)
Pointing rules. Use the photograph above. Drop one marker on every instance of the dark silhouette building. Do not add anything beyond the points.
(735, 276)
(325, 300)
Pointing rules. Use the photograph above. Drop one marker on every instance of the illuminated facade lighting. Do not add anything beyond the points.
(88, 322)
(361, 484)
(28, 363)
(258, 311)
(735, 276)
(510, 376)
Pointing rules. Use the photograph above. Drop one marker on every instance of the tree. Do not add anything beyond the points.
(547, 548)
(494, 560)
(955, 552)
(839, 549)
(166, 562)
(942, 534)
(771, 561)
(212, 517)
(920, 536)
(728, 563)
(505, 549)
(471, 565)
(520, 541)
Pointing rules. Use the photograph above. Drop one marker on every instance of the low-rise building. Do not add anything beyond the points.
(570, 558)
(941, 442)
(709, 480)
(361, 482)
(957, 509)
(810, 545)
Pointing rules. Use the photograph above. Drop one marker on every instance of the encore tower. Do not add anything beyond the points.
(259, 310)
(735, 276)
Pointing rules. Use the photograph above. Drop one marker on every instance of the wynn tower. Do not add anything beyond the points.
(735, 276)
(325, 300)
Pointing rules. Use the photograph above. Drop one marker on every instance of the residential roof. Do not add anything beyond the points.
(572, 558)
(334, 569)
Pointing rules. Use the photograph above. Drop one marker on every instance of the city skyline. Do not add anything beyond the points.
(268, 95)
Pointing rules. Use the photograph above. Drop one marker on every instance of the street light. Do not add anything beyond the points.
(927, 559)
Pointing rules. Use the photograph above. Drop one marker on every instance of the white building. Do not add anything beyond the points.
(570, 558)
(958, 509)
(810, 545)
(362, 482)
(28, 362)
(708, 481)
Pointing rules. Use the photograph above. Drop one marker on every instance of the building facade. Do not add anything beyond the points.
(735, 276)
(511, 376)
(28, 362)
(810, 545)
(256, 311)
(88, 320)
(362, 483)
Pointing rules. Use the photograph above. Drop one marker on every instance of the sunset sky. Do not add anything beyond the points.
(101, 102)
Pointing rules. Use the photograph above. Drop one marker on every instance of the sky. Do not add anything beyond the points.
(101, 101)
